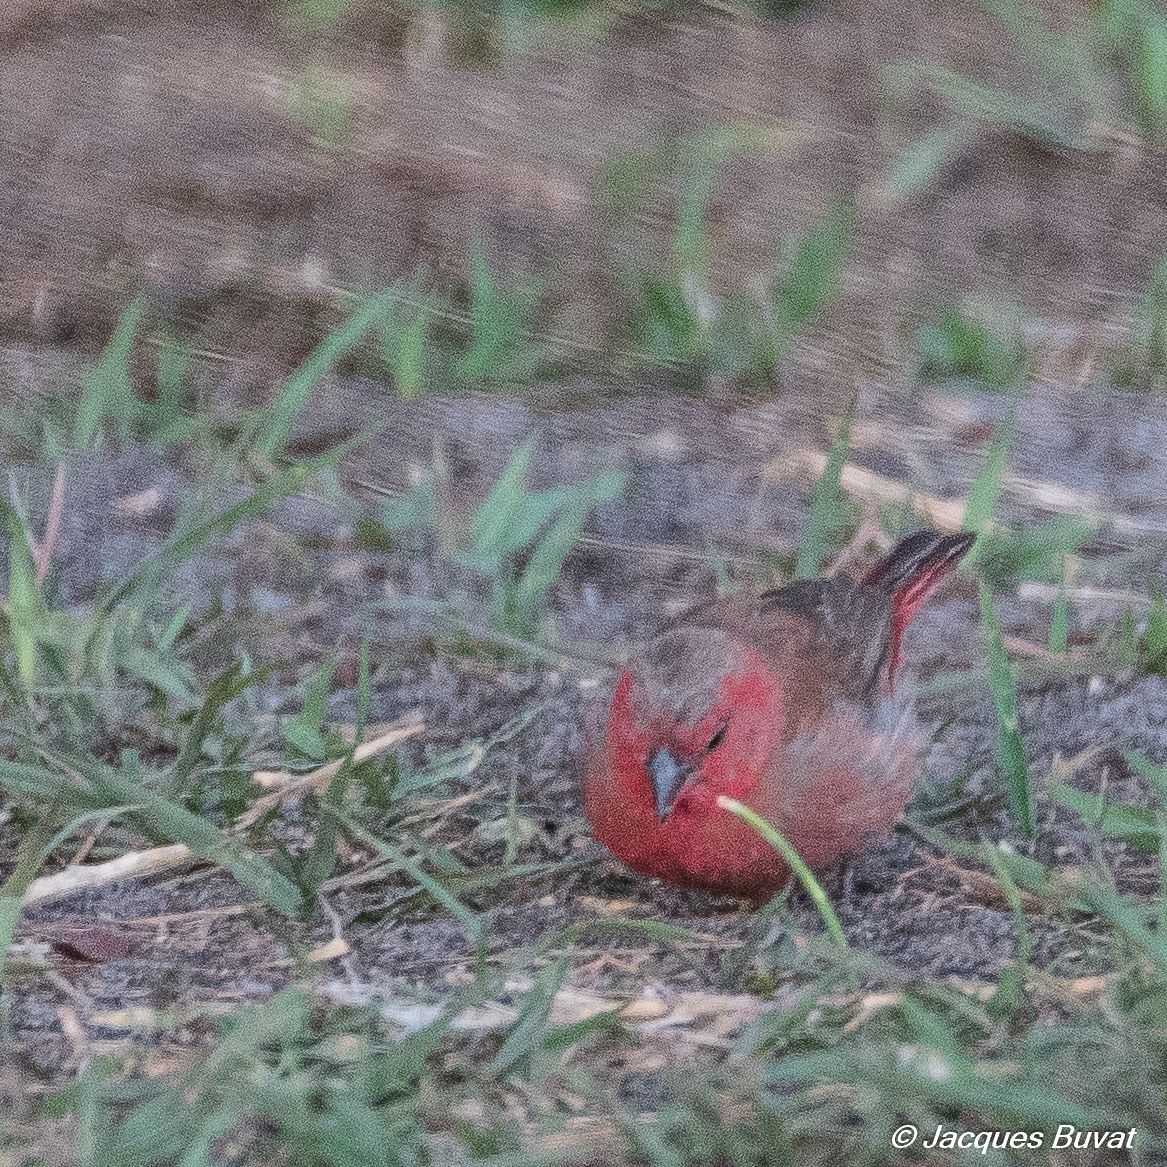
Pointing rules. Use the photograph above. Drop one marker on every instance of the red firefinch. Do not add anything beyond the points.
(783, 701)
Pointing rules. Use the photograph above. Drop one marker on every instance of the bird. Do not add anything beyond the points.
(785, 701)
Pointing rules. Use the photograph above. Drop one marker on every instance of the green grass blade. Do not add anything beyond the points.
(1153, 72)
(173, 364)
(1043, 120)
(830, 510)
(691, 246)
(25, 602)
(225, 687)
(1135, 825)
(320, 862)
(364, 690)
(170, 634)
(793, 860)
(281, 415)
(471, 925)
(920, 163)
(1010, 993)
(159, 671)
(547, 560)
(492, 523)
(409, 362)
(104, 815)
(45, 785)
(160, 818)
(818, 265)
(282, 484)
(1011, 753)
(1059, 627)
(108, 388)
(533, 1026)
(30, 854)
(1154, 640)
(500, 322)
(9, 918)
(663, 326)
(1024, 871)
(316, 703)
(1154, 776)
(989, 482)
(1110, 905)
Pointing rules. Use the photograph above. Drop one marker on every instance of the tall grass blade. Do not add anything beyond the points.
(1154, 776)
(409, 363)
(830, 510)
(1152, 68)
(1059, 626)
(162, 819)
(320, 862)
(173, 365)
(532, 1028)
(30, 854)
(1011, 753)
(793, 860)
(283, 412)
(1134, 825)
(1109, 904)
(108, 388)
(471, 924)
(989, 482)
(547, 560)
(225, 687)
(500, 322)
(492, 532)
(814, 277)
(26, 604)
(280, 485)
(919, 164)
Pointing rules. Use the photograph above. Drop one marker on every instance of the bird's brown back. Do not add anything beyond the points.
(824, 638)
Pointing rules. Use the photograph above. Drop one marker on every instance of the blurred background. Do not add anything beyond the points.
(714, 198)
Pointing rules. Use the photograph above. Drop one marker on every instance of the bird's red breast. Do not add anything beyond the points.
(783, 701)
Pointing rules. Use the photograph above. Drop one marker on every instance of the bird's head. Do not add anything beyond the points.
(695, 714)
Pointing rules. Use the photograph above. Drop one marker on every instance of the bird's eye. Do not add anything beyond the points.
(716, 740)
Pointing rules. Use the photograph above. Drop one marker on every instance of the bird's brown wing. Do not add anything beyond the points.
(848, 623)
(823, 638)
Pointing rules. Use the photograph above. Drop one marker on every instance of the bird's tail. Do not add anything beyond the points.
(910, 572)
